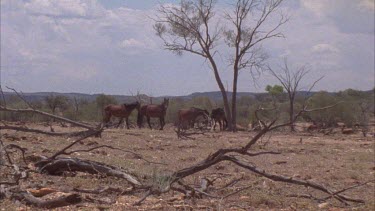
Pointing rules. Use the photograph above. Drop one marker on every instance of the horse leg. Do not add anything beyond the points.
(127, 122)
(148, 121)
(212, 123)
(140, 121)
(225, 122)
(178, 129)
(161, 123)
(106, 118)
(120, 122)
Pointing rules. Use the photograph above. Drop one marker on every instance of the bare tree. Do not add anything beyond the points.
(191, 28)
(290, 80)
(60, 162)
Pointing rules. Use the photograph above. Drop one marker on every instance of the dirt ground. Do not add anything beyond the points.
(336, 161)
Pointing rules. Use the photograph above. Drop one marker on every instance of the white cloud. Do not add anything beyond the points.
(95, 49)
(144, 44)
(367, 5)
(348, 15)
(65, 8)
(324, 48)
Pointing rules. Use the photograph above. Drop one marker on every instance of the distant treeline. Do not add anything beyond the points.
(352, 109)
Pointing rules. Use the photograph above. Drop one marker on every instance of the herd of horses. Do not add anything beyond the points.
(186, 117)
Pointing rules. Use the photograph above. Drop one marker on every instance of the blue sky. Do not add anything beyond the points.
(109, 46)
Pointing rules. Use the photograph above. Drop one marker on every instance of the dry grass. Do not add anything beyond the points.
(337, 161)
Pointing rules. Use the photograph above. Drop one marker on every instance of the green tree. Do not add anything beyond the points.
(54, 102)
(275, 91)
(328, 117)
(103, 100)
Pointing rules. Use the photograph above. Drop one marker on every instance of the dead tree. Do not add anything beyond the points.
(193, 27)
(56, 165)
(31, 109)
(10, 188)
(61, 162)
(234, 156)
(78, 103)
(290, 80)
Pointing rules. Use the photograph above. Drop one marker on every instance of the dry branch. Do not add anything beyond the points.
(348, 188)
(10, 146)
(115, 148)
(139, 202)
(31, 130)
(90, 133)
(105, 190)
(60, 165)
(56, 165)
(280, 178)
(228, 155)
(29, 110)
(62, 201)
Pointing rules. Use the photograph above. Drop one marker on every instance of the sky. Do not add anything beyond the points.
(109, 46)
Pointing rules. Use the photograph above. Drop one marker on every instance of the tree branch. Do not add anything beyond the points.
(28, 110)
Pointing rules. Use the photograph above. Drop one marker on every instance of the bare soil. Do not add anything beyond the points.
(337, 161)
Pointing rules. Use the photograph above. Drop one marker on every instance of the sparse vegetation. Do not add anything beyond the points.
(62, 150)
(343, 161)
(356, 108)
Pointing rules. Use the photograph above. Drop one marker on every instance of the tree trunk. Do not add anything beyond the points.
(234, 100)
(291, 113)
(53, 113)
(223, 92)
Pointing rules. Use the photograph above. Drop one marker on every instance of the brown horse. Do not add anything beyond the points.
(154, 111)
(218, 115)
(188, 116)
(122, 111)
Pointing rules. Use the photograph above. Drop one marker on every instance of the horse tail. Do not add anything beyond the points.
(106, 114)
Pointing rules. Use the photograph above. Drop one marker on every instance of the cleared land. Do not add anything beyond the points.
(336, 161)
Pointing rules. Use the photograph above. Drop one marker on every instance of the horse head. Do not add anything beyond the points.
(165, 103)
(131, 106)
(137, 105)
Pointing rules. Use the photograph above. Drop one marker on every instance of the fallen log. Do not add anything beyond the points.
(347, 131)
(62, 201)
(58, 166)
(30, 110)
(31, 130)
(41, 192)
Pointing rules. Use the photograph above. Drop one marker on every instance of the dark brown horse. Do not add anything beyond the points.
(154, 111)
(187, 116)
(218, 115)
(121, 111)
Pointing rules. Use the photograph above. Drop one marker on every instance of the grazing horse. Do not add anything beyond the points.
(218, 115)
(154, 111)
(188, 116)
(122, 111)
